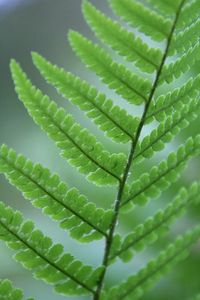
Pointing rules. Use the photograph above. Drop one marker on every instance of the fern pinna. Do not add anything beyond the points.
(172, 27)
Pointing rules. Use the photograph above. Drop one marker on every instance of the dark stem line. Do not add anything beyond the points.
(122, 183)
(56, 267)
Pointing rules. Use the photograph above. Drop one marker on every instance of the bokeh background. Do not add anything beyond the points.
(42, 25)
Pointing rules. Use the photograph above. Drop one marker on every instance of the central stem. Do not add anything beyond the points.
(123, 181)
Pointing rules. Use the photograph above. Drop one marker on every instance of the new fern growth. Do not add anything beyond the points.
(173, 27)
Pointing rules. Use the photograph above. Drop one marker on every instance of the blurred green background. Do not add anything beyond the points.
(42, 26)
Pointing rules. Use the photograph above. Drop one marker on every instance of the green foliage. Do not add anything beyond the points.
(46, 191)
(135, 285)
(7, 292)
(146, 20)
(130, 86)
(167, 7)
(124, 42)
(160, 177)
(189, 14)
(196, 298)
(77, 144)
(116, 122)
(185, 39)
(46, 260)
(167, 130)
(183, 64)
(156, 226)
(166, 105)
(173, 28)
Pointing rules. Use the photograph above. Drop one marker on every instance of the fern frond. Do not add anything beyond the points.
(46, 260)
(167, 7)
(8, 292)
(167, 130)
(160, 177)
(78, 146)
(148, 21)
(183, 64)
(165, 105)
(130, 86)
(137, 284)
(185, 39)
(189, 14)
(46, 191)
(155, 227)
(111, 119)
(119, 39)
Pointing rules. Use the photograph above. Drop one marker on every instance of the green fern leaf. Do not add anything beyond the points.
(47, 261)
(135, 285)
(137, 15)
(185, 39)
(167, 7)
(124, 42)
(165, 105)
(130, 86)
(112, 119)
(189, 14)
(77, 144)
(167, 130)
(155, 227)
(8, 292)
(160, 177)
(46, 191)
(183, 64)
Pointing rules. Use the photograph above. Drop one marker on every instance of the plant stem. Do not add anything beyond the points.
(122, 183)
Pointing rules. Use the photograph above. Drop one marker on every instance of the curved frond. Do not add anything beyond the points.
(78, 146)
(113, 120)
(72, 210)
(120, 39)
(167, 130)
(130, 86)
(134, 287)
(46, 260)
(183, 64)
(8, 292)
(154, 227)
(165, 105)
(148, 21)
(160, 177)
